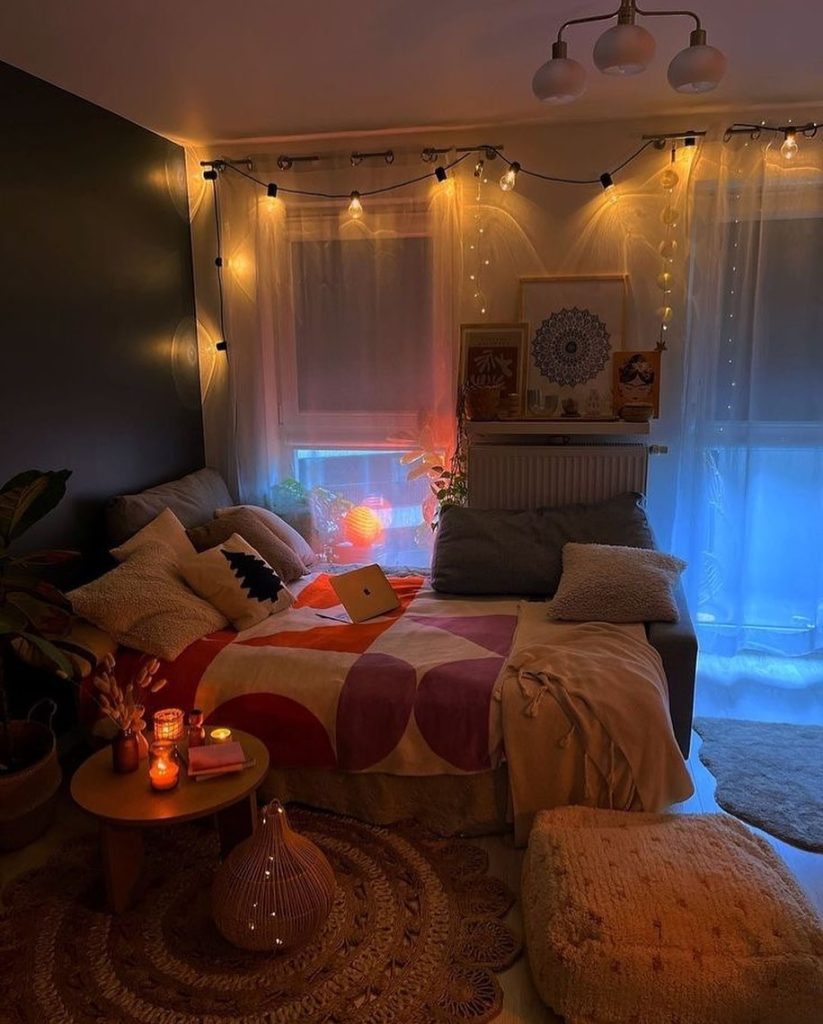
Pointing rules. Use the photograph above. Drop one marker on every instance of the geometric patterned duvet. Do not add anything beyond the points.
(409, 693)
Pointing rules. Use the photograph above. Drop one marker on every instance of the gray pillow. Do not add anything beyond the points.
(193, 499)
(495, 551)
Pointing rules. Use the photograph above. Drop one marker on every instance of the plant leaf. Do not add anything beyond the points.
(44, 559)
(59, 660)
(26, 498)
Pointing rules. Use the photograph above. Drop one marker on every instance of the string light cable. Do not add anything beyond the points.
(213, 169)
(222, 344)
(790, 133)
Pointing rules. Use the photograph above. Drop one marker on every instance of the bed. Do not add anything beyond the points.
(401, 716)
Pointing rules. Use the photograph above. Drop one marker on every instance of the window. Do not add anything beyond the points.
(358, 370)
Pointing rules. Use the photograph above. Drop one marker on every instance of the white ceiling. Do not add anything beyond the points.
(209, 70)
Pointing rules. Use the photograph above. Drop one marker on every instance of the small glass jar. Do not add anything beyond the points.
(197, 734)
(169, 725)
(164, 768)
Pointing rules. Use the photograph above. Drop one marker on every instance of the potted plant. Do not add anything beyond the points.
(31, 609)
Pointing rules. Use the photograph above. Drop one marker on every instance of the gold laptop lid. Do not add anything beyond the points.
(365, 593)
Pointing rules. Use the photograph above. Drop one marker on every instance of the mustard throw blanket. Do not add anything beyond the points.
(586, 720)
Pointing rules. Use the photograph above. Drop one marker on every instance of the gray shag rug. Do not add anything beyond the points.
(768, 774)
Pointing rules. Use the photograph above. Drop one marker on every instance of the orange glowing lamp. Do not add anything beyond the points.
(362, 526)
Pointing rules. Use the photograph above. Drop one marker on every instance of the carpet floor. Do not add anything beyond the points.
(768, 774)
(415, 936)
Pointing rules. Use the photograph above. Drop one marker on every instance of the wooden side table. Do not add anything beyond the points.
(126, 804)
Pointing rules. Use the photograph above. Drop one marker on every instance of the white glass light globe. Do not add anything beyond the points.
(559, 80)
(624, 50)
(697, 69)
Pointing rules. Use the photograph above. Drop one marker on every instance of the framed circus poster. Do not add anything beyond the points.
(494, 355)
(575, 326)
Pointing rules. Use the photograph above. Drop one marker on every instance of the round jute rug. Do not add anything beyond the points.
(415, 936)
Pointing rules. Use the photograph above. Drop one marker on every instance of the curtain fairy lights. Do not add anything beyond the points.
(478, 246)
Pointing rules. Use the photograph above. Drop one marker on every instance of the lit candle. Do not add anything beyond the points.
(164, 774)
(221, 735)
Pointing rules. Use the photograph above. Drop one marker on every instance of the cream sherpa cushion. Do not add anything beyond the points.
(163, 529)
(608, 583)
(637, 918)
(144, 603)
(237, 581)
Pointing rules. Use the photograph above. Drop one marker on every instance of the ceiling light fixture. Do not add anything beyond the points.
(627, 49)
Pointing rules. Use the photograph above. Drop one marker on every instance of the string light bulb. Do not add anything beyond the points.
(789, 148)
(440, 173)
(509, 177)
(609, 189)
(355, 206)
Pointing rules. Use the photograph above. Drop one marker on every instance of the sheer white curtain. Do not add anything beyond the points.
(750, 500)
(343, 349)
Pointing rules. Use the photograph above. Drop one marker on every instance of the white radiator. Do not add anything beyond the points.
(531, 476)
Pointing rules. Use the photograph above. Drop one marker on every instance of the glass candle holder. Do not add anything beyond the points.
(164, 771)
(220, 735)
(169, 725)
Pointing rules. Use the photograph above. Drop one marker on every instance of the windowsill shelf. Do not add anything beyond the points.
(544, 428)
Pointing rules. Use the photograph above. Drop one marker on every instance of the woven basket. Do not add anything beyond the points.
(274, 890)
(28, 797)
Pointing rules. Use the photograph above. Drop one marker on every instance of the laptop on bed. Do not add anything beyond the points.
(365, 593)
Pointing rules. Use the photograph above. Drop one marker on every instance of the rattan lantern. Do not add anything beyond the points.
(274, 890)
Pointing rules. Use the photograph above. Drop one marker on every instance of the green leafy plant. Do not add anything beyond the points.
(31, 609)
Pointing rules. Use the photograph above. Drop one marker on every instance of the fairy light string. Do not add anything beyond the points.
(213, 169)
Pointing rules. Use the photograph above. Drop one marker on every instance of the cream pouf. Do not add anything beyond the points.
(667, 919)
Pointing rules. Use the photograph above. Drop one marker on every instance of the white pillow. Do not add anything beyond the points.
(144, 603)
(281, 529)
(609, 583)
(237, 581)
(163, 529)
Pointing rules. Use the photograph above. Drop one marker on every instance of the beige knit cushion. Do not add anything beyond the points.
(144, 603)
(654, 919)
(163, 529)
(608, 583)
(254, 531)
(280, 528)
(238, 582)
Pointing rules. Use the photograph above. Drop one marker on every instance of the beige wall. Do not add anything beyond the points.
(540, 228)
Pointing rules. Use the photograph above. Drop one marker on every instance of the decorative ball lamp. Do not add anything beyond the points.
(362, 526)
(275, 890)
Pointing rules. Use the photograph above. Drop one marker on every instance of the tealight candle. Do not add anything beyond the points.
(221, 735)
(164, 771)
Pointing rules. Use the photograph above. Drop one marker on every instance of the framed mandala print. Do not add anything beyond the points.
(493, 355)
(575, 325)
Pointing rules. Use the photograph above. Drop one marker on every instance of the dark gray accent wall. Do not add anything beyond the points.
(98, 361)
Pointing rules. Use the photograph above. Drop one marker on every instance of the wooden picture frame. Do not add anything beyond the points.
(576, 324)
(636, 378)
(494, 354)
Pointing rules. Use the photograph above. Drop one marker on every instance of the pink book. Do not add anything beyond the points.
(216, 757)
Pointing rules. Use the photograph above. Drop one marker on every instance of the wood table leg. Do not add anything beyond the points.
(236, 823)
(122, 850)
